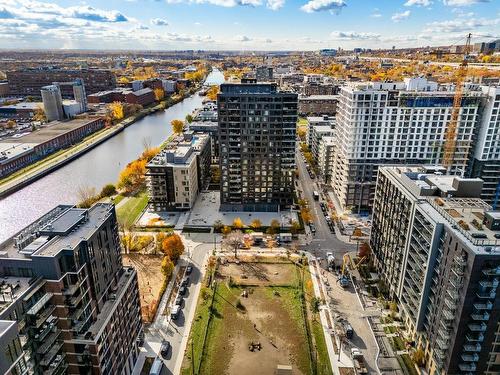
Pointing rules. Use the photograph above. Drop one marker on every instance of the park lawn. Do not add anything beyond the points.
(323, 365)
(230, 330)
(130, 210)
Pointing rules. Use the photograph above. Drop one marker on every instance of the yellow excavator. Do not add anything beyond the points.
(343, 279)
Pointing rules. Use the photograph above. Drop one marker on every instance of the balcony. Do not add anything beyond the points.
(483, 306)
(452, 305)
(481, 317)
(470, 357)
(467, 367)
(474, 337)
(492, 271)
(453, 294)
(477, 327)
(489, 283)
(442, 344)
(472, 348)
(448, 315)
(490, 295)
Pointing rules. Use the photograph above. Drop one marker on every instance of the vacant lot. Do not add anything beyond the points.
(151, 280)
(255, 273)
(264, 308)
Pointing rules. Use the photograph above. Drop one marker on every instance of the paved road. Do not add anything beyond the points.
(323, 241)
(177, 331)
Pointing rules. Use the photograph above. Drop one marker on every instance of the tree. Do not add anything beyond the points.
(215, 174)
(295, 227)
(160, 237)
(167, 267)
(357, 232)
(218, 225)
(133, 176)
(256, 224)
(177, 126)
(364, 250)
(11, 124)
(301, 133)
(233, 241)
(116, 109)
(419, 357)
(39, 114)
(189, 119)
(173, 247)
(212, 92)
(87, 196)
(226, 230)
(238, 223)
(108, 190)
(159, 94)
(274, 227)
(149, 153)
(305, 215)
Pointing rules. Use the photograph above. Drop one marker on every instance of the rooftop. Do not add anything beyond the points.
(50, 131)
(319, 97)
(63, 227)
(24, 105)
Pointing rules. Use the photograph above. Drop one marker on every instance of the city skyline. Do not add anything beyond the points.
(244, 24)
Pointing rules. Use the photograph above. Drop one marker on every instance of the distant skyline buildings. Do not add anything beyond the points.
(250, 25)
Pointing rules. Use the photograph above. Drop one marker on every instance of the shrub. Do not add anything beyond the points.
(108, 190)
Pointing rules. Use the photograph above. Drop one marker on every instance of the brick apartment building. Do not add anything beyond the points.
(29, 82)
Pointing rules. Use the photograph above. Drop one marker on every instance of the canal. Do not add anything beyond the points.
(96, 168)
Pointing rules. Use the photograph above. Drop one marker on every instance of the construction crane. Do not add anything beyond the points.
(450, 143)
(343, 279)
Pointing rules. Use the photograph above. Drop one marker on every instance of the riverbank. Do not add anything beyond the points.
(41, 168)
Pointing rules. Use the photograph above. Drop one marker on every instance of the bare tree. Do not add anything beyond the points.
(146, 143)
(233, 241)
(87, 195)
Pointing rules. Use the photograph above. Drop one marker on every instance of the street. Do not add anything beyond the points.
(177, 331)
(323, 241)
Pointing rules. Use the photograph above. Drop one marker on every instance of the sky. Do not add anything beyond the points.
(244, 24)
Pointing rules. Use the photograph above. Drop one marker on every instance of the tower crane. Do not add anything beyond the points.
(450, 143)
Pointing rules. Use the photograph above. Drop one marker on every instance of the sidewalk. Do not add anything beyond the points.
(325, 314)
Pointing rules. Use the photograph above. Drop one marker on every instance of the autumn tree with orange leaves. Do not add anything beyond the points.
(133, 176)
(173, 247)
(177, 126)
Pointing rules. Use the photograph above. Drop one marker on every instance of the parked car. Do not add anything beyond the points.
(174, 313)
(165, 348)
(185, 281)
(312, 227)
(182, 290)
(189, 269)
(178, 300)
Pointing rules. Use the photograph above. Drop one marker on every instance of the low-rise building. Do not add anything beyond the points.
(143, 97)
(436, 246)
(77, 309)
(23, 110)
(17, 153)
(4, 89)
(318, 105)
(177, 174)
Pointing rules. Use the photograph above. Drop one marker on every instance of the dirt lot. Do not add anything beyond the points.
(150, 278)
(270, 316)
(260, 273)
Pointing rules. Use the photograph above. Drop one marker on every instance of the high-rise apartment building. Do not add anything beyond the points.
(75, 307)
(257, 146)
(486, 158)
(397, 123)
(436, 246)
(29, 81)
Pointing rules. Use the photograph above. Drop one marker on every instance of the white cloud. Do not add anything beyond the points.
(463, 3)
(333, 6)
(352, 35)
(159, 22)
(397, 17)
(275, 4)
(242, 38)
(222, 3)
(420, 3)
(459, 25)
